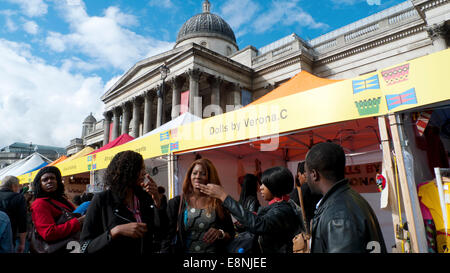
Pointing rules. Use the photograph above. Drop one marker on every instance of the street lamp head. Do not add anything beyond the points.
(164, 70)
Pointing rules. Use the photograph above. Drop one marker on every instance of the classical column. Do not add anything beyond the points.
(177, 84)
(116, 121)
(106, 125)
(136, 116)
(215, 83)
(233, 97)
(194, 76)
(438, 34)
(236, 94)
(159, 109)
(126, 109)
(148, 99)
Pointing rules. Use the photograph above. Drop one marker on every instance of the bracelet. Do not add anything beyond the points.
(222, 234)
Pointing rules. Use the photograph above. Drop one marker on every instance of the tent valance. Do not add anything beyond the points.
(122, 139)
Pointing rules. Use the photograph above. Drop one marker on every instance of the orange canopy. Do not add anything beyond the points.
(303, 81)
(59, 159)
(354, 136)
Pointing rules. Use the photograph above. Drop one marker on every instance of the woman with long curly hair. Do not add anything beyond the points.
(197, 222)
(122, 218)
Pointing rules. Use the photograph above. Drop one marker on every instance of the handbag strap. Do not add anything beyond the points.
(300, 198)
(56, 206)
(179, 212)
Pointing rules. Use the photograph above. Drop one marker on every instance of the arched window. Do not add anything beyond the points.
(229, 51)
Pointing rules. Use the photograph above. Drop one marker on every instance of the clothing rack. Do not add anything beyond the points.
(438, 172)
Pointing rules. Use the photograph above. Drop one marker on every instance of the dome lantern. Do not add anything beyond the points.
(209, 30)
(206, 6)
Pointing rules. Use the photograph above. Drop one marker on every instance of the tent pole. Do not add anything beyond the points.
(392, 193)
(408, 189)
(170, 174)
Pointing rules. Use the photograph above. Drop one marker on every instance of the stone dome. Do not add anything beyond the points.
(206, 24)
(90, 119)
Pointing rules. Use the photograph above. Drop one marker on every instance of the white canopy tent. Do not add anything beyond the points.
(176, 122)
(30, 163)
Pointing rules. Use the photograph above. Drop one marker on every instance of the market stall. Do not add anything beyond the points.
(370, 98)
(26, 165)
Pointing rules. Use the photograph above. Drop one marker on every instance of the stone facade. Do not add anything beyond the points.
(213, 76)
(17, 151)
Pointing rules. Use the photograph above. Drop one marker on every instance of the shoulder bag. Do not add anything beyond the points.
(39, 245)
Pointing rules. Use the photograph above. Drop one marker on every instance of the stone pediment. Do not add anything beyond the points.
(142, 68)
(149, 68)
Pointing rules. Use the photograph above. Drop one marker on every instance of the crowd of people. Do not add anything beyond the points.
(134, 216)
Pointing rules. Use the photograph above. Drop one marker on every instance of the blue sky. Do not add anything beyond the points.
(59, 56)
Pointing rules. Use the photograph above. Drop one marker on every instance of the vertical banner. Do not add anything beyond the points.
(246, 97)
(184, 102)
(111, 126)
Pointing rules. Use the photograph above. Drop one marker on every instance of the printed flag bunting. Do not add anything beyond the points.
(407, 97)
(369, 83)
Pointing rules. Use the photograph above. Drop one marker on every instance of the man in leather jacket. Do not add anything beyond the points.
(343, 221)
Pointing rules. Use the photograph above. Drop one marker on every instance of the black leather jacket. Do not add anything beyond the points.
(14, 205)
(251, 203)
(345, 223)
(276, 224)
(106, 211)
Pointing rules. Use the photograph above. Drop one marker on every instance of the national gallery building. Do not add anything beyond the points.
(206, 67)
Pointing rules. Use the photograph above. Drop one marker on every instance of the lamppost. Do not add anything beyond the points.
(164, 71)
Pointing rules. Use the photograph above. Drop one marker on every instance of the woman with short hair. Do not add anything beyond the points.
(276, 224)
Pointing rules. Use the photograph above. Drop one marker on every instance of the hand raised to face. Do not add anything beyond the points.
(150, 186)
(212, 190)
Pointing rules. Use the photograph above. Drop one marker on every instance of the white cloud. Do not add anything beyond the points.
(167, 4)
(111, 82)
(374, 2)
(55, 41)
(238, 13)
(76, 64)
(10, 25)
(41, 103)
(346, 2)
(31, 27)
(121, 18)
(353, 2)
(287, 13)
(32, 8)
(105, 39)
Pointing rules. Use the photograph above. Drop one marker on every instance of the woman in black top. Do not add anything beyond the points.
(125, 217)
(275, 224)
